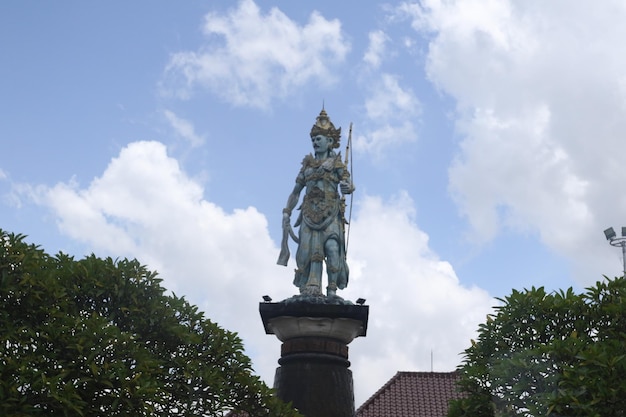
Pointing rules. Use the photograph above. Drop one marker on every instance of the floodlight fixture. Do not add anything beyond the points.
(360, 301)
(611, 236)
(267, 298)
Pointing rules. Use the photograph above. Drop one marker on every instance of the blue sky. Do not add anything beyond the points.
(487, 151)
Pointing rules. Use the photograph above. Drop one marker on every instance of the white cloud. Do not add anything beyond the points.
(183, 128)
(417, 303)
(143, 206)
(251, 59)
(375, 49)
(392, 113)
(541, 112)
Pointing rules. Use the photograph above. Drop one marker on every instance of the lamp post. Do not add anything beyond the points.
(617, 241)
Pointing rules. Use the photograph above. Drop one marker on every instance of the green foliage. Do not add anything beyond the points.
(98, 337)
(557, 354)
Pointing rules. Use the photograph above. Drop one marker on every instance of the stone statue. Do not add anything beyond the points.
(321, 220)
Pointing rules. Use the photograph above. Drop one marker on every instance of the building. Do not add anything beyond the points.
(413, 394)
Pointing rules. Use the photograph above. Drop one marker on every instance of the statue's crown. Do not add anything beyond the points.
(323, 126)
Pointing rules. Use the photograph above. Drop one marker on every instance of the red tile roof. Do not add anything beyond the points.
(412, 394)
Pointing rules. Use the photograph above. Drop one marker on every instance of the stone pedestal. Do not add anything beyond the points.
(314, 369)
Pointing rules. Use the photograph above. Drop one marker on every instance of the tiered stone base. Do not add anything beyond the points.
(314, 372)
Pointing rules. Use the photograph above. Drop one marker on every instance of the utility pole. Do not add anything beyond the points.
(617, 242)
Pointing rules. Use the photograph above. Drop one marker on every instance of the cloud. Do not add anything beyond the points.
(540, 111)
(251, 59)
(375, 49)
(183, 129)
(391, 115)
(144, 206)
(417, 304)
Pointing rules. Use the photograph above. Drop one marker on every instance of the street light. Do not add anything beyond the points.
(617, 241)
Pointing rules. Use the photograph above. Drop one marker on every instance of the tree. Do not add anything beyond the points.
(557, 354)
(98, 337)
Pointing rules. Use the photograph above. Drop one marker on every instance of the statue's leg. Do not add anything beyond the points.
(332, 265)
(314, 284)
(316, 251)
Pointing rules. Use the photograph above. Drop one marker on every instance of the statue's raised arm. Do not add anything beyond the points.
(321, 216)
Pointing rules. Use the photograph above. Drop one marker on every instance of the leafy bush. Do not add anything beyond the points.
(559, 354)
(99, 337)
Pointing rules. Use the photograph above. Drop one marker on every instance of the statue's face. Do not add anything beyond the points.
(321, 143)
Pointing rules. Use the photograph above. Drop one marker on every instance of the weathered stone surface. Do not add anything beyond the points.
(313, 345)
(314, 374)
(288, 327)
(271, 311)
(316, 388)
(317, 299)
(321, 215)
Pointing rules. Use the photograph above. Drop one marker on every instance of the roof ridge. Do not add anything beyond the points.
(393, 379)
(448, 373)
(440, 383)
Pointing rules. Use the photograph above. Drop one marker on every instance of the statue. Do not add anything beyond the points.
(321, 220)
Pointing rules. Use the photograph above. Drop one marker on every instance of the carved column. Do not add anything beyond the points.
(314, 369)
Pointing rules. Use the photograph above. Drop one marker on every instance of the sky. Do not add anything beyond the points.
(487, 151)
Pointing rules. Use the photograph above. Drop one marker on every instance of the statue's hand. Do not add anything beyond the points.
(346, 187)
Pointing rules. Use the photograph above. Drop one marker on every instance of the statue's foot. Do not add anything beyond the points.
(331, 292)
(311, 290)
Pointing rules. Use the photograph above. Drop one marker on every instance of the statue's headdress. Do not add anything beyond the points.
(323, 126)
